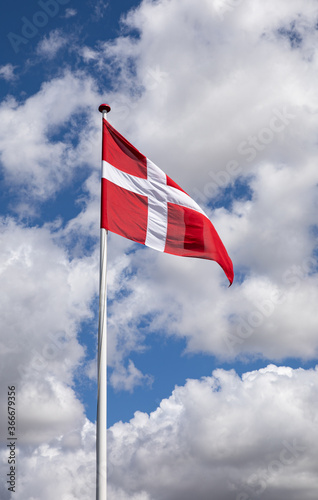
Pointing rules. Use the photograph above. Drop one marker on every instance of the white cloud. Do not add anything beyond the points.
(230, 98)
(201, 89)
(99, 9)
(63, 467)
(271, 312)
(70, 13)
(47, 298)
(49, 46)
(222, 436)
(89, 54)
(47, 409)
(7, 72)
(217, 87)
(128, 378)
(38, 155)
(249, 102)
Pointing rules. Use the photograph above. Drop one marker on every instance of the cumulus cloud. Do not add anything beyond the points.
(64, 466)
(209, 85)
(39, 155)
(271, 312)
(222, 436)
(220, 97)
(257, 87)
(230, 99)
(48, 296)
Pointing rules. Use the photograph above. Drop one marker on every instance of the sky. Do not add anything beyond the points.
(212, 391)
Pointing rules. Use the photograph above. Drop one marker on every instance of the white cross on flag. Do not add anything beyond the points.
(141, 203)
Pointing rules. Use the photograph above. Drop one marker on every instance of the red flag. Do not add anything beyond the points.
(141, 203)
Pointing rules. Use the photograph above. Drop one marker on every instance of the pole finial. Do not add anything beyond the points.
(104, 107)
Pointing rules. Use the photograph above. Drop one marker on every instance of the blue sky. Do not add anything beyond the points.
(212, 391)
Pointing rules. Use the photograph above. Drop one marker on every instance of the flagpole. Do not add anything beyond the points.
(101, 427)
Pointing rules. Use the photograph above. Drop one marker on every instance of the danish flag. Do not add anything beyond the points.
(140, 202)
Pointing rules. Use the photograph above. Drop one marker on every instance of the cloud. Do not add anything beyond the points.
(214, 96)
(65, 467)
(230, 436)
(70, 13)
(269, 312)
(48, 297)
(229, 102)
(49, 46)
(89, 54)
(40, 155)
(208, 85)
(224, 436)
(128, 378)
(99, 10)
(7, 72)
(261, 135)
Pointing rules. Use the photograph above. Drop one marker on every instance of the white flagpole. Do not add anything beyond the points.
(101, 430)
